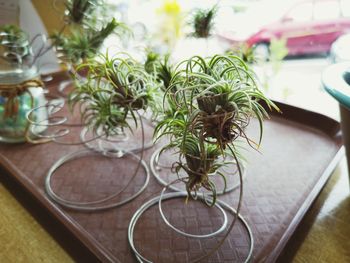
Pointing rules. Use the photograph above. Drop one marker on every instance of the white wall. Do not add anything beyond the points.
(32, 24)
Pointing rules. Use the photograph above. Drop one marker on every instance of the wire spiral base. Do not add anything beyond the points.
(137, 215)
(57, 127)
(105, 143)
(97, 204)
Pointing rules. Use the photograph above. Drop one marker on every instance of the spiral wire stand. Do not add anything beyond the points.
(98, 145)
(110, 143)
(221, 205)
(53, 107)
(156, 164)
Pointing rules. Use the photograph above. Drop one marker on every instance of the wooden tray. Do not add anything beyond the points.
(300, 150)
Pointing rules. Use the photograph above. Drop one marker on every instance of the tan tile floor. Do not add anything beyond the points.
(324, 235)
(22, 238)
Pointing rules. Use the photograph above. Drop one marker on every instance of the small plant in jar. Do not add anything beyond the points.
(21, 89)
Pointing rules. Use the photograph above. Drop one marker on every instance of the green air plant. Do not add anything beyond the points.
(86, 25)
(215, 99)
(80, 19)
(203, 22)
(11, 33)
(165, 73)
(245, 52)
(83, 43)
(151, 63)
(160, 68)
(78, 10)
(162, 71)
(115, 88)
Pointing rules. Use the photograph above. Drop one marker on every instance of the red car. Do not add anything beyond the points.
(308, 27)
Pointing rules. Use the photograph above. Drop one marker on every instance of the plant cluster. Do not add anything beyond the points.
(160, 67)
(203, 22)
(114, 90)
(152, 61)
(82, 44)
(207, 103)
(245, 52)
(87, 26)
(162, 71)
(78, 10)
(213, 101)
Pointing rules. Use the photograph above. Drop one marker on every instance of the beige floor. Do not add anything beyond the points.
(324, 235)
(22, 239)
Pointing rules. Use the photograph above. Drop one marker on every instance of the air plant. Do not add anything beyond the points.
(78, 17)
(85, 28)
(203, 22)
(78, 10)
(115, 88)
(165, 73)
(216, 98)
(162, 71)
(152, 61)
(245, 52)
(160, 67)
(84, 43)
(12, 33)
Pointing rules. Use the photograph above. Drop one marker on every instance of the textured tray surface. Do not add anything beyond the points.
(292, 159)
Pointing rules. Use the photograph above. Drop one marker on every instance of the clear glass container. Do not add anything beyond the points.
(21, 89)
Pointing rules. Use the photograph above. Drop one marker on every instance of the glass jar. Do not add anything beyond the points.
(21, 89)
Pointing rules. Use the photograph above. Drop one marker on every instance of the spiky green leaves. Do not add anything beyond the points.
(220, 93)
(114, 89)
(83, 43)
(213, 101)
(203, 22)
(152, 61)
(78, 10)
(160, 67)
(86, 26)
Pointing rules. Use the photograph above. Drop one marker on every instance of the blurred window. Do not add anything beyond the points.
(345, 7)
(326, 10)
(301, 13)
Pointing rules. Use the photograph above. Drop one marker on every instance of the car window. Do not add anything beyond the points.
(326, 10)
(345, 7)
(300, 13)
